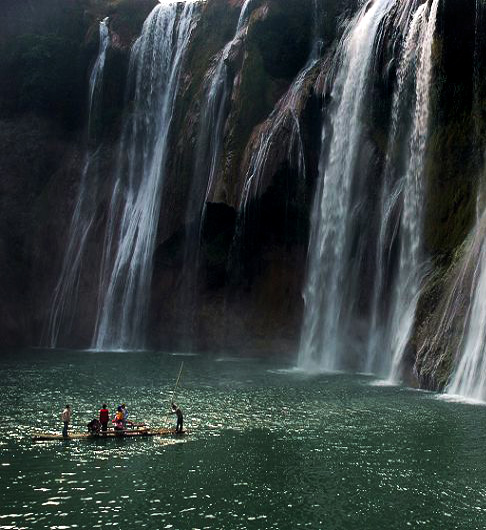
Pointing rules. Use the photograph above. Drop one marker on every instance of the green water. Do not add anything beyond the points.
(268, 449)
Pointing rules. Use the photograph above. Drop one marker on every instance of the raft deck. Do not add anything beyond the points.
(44, 437)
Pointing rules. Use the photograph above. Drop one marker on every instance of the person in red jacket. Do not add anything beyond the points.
(104, 417)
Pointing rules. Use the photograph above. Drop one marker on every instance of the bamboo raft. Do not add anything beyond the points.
(137, 429)
(127, 433)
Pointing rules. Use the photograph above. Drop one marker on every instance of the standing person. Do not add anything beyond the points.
(104, 417)
(125, 415)
(180, 419)
(66, 418)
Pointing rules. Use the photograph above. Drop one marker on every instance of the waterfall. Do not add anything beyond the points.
(463, 334)
(409, 274)
(207, 164)
(278, 139)
(333, 276)
(469, 377)
(213, 118)
(392, 320)
(243, 18)
(285, 114)
(320, 343)
(155, 66)
(96, 78)
(65, 295)
(377, 360)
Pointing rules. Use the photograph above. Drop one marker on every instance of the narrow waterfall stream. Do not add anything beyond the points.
(285, 114)
(156, 62)
(409, 274)
(378, 358)
(469, 377)
(64, 301)
(209, 148)
(280, 132)
(208, 161)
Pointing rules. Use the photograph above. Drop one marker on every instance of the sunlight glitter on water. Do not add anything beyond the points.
(267, 448)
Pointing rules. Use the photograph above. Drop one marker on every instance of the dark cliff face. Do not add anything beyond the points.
(42, 98)
(454, 171)
(251, 263)
(47, 49)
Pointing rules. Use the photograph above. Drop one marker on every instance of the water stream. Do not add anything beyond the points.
(286, 115)
(468, 379)
(339, 244)
(155, 66)
(321, 346)
(208, 162)
(411, 255)
(64, 301)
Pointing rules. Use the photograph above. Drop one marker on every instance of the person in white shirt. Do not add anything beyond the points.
(66, 418)
(125, 415)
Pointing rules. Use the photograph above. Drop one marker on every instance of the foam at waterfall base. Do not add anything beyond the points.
(455, 398)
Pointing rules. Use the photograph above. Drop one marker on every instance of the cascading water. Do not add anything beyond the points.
(96, 78)
(377, 360)
(211, 136)
(469, 377)
(280, 139)
(209, 151)
(392, 319)
(285, 114)
(155, 66)
(64, 301)
(457, 327)
(213, 118)
(320, 343)
(409, 274)
(331, 269)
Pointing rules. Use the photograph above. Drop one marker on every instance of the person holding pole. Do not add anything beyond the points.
(180, 418)
(175, 409)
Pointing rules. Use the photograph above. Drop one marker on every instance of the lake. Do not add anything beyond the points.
(267, 448)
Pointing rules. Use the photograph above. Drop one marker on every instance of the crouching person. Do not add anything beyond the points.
(94, 427)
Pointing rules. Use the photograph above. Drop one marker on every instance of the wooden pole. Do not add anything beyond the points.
(177, 383)
(175, 388)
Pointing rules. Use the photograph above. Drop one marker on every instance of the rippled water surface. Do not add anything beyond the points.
(268, 448)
